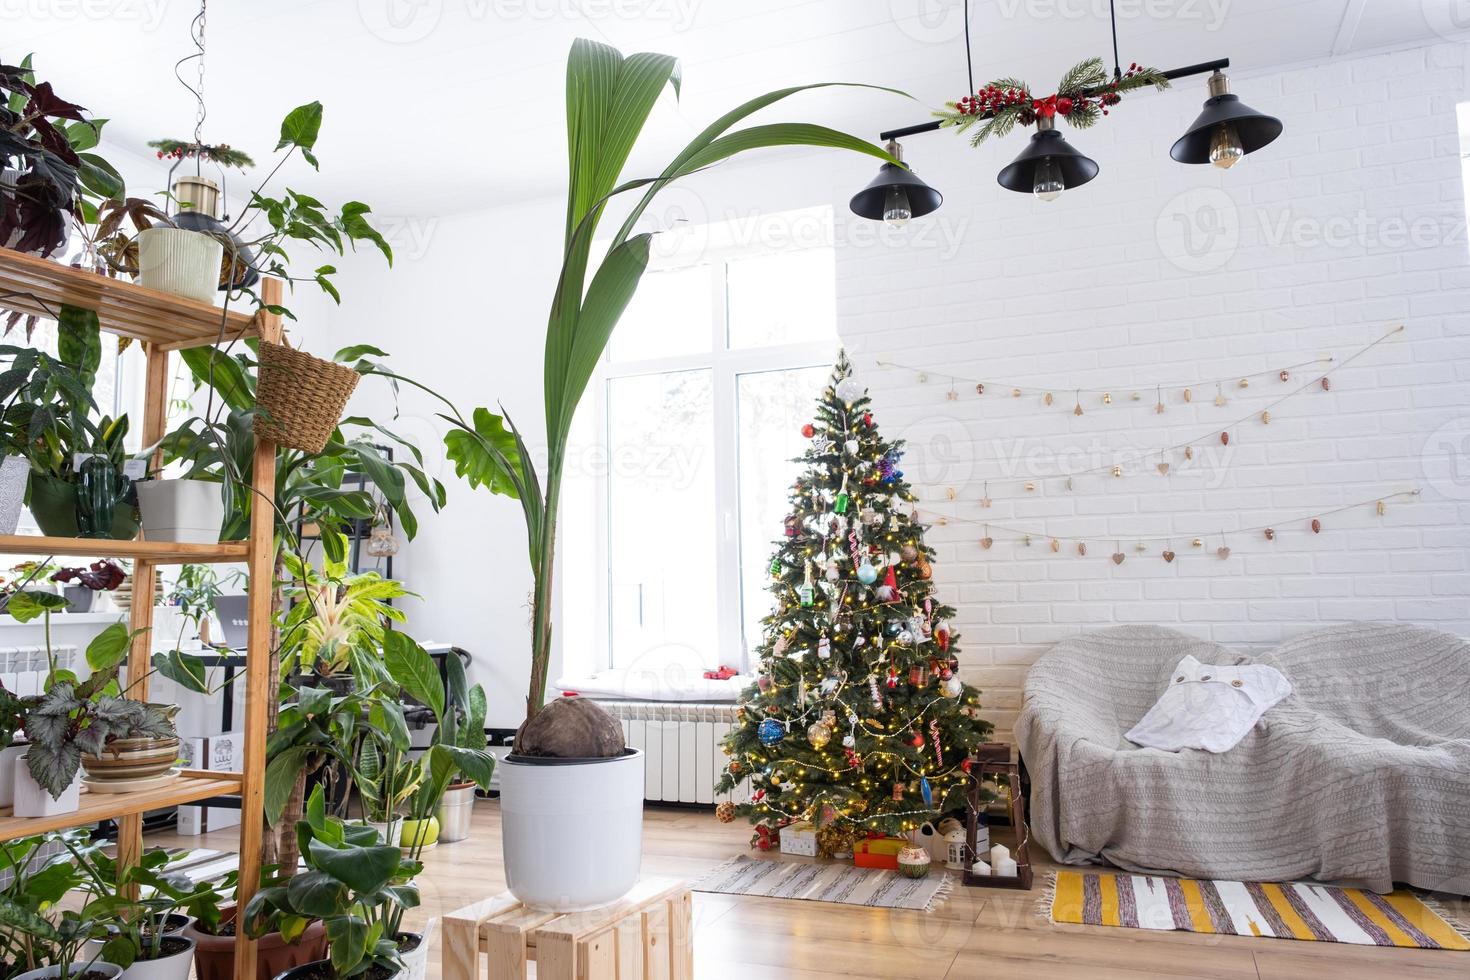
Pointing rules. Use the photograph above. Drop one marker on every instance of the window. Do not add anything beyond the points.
(683, 446)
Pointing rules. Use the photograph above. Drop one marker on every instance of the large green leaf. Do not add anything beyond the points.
(280, 778)
(362, 869)
(300, 129)
(317, 893)
(347, 942)
(212, 366)
(108, 648)
(487, 455)
(184, 669)
(413, 669)
(28, 605)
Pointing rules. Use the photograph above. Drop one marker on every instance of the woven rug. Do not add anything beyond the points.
(1293, 910)
(834, 881)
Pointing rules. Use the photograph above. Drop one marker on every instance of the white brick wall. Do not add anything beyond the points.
(1353, 221)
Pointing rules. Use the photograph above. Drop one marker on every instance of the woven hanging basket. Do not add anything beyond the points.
(301, 397)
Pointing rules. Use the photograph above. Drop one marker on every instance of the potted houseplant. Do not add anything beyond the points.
(78, 483)
(35, 388)
(41, 937)
(100, 576)
(333, 632)
(560, 853)
(213, 928)
(187, 510)
(353, 884)
(48, 174)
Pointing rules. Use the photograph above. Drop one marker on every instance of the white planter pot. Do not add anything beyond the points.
(173, 967)
(189, 511)
(185, 263)
(388, 832)
(77, 969)
(572, 829)
(14, 472)
(8, 759)
(33, 801)
(416, 962)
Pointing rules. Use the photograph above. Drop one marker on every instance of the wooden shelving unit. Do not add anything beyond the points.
(161, 323)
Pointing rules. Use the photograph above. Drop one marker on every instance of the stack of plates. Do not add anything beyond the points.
(127, 765)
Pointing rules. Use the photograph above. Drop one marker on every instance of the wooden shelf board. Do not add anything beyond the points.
(191, 786)
(159, 551)
(172, 322)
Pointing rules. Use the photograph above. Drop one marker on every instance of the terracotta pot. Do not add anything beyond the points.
(214, 956)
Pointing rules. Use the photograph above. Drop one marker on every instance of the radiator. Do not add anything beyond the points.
(23, 669)
(683, 757)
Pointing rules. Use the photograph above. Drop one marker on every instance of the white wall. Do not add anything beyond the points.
(1097, 289)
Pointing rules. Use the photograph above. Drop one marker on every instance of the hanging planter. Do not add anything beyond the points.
(300, 397)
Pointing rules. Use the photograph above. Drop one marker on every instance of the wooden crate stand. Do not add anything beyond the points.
(645, 935)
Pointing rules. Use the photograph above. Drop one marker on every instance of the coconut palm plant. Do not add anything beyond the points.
(609, 98)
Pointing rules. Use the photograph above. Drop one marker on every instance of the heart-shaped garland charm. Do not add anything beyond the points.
(986, 542)
(1168, 556)
(1270, 534)
(1223, 551)
(1164, 469)
(1118, 557)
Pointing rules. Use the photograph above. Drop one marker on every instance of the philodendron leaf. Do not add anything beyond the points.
(362, 869)
(300, 129)
(486, 456)
(185, 670)
(413, 669)
(108, 648)
(347, 942)
(317, 893)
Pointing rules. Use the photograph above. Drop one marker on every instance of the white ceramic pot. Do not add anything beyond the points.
(175, 966)
(189, 511)
(33, 801)
(14, 472)
(185, 263)
(77, 969)
(416, 960)
(571, 829)
(389, 832)
(8, 758)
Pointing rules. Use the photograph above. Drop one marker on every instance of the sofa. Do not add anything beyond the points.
(1360, 776)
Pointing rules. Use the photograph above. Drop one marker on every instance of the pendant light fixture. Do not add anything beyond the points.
(1048, 165)
(896, 194)
(1226, 130)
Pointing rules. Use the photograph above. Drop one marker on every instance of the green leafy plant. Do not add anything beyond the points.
(352, 884)
(609, 98)
(337, 621)
(135, 901)
(35, 930)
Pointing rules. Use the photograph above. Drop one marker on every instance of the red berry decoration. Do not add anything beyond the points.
(808, 430)
(1064, 105)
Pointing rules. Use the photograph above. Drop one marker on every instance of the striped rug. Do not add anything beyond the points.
(1300, 910)
(826, 881)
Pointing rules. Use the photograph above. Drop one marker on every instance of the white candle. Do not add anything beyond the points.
(1006, 868)
(999, 853)
(980, 868)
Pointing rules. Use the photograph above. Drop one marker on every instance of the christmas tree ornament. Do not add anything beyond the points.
(888, 591)
(780, 646)
(775, 568)
(898, 792)
(1164, 467)
(1270, 534)
(869, 516)
(851, 447)
(986, 542)
(925, 790)
(763, 682)
(913, 861)
(1118, 557)
(842, 499)
(868, 419)
(1316, 526)
(850, 389)
(1168, 555)
(771, 732)
(833, 571)
(926, 571)
(909, 551)
(866, 573)
(918, 740)
(806, 593)
(941, 634)
(830, 684)
(808, 430)
(905, 638)
(874, 694)
(892, 680)
(824, 649)
(858, 641)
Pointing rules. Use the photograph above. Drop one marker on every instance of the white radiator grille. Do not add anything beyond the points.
(23, 669)
(681, 744)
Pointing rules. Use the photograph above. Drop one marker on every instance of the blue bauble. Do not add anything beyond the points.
(867, 574)
(927, 791)
(771, 731)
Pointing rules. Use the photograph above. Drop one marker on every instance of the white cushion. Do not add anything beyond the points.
(1209, 707)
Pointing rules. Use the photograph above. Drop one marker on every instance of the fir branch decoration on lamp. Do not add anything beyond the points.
(597, 835)
(859, 719)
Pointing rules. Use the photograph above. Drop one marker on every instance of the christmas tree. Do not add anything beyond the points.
(858, 721)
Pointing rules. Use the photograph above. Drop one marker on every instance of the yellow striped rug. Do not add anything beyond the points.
(1294, 910)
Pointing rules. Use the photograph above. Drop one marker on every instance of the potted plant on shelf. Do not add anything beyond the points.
(353, 883)
(559, 853)
(100, 576)
(48, 174)
(40, 936)
(281, 946)
(333, 633)
(185, 509)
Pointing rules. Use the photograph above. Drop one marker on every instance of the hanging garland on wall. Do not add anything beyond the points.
(1165, 457)
(1028, 537)
(1083, 96)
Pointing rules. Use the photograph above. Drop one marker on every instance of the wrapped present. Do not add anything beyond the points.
(878, 852)
(799, 838)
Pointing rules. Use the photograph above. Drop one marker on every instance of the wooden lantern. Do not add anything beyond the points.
(995, 759)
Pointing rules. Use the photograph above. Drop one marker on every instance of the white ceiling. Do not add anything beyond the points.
(435, 106)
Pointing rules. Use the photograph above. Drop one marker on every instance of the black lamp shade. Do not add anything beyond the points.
(1020, 173)
(868, 202)
(1255, 129)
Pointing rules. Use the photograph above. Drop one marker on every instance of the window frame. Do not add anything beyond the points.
(726, 365)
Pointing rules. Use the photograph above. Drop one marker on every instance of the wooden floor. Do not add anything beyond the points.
(977, 933)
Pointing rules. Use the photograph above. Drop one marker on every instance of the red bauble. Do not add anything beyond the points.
(965, 766)
(867, 418)
(918, 741)
(808, 430)
(1064, 105)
